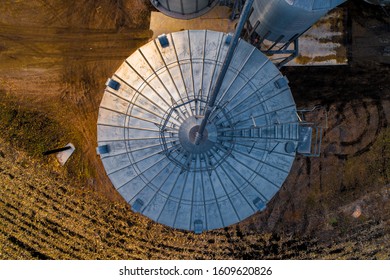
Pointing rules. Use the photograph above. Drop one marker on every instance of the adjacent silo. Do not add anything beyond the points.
(184, 9)
(285, 20)
(152, 108)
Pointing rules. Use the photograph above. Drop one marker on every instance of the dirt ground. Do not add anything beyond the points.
(354, 163)
(57, 59)
(53, 66)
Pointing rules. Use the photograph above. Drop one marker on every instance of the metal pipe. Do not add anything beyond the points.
(210, 106)
(56, 150)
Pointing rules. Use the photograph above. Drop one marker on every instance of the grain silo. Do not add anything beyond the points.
(283, 21)
(184, 9)
(153, 105)
(198, 129)
(275, 26)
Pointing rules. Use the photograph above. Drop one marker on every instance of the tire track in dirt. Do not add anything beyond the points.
(58, 43)
(368, 127)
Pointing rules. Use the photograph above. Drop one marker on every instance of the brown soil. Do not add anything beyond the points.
(53, 66)
(44, 217)
(57, 59)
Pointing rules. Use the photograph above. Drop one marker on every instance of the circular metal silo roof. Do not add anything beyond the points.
(152, 108)
(184, 9)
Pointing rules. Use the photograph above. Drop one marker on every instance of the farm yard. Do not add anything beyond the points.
(53, 66)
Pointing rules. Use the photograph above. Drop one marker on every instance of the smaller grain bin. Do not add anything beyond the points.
(184, 9)
(283, 21)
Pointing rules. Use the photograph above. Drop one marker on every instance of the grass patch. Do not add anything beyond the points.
(28, 129)
(34, 131)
